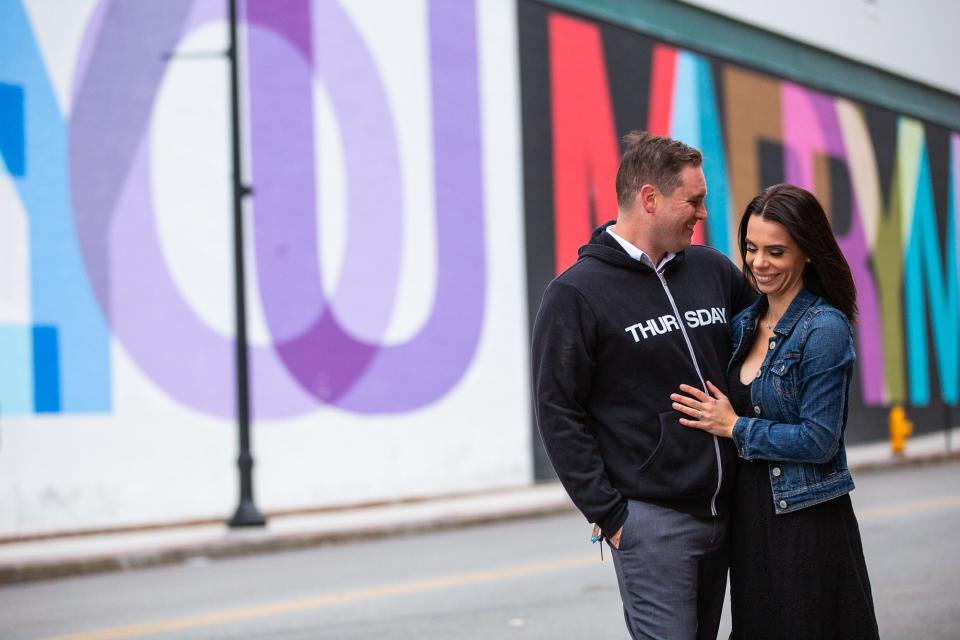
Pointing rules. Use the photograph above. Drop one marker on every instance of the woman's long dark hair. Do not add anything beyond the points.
(827, 274)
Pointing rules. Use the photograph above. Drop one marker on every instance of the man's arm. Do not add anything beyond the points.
(564, 352)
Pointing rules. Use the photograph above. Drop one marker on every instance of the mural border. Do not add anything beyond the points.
(698, 29)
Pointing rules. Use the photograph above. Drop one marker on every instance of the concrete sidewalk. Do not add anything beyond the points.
(80, 554)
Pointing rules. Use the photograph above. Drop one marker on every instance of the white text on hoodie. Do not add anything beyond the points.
(667, 323)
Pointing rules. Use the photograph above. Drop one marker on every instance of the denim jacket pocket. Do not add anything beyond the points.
(785, 381)
(825, 471)
(785, 374)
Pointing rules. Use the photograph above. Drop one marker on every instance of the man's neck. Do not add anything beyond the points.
(637, 238)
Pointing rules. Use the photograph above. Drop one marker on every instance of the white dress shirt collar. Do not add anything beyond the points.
(638, 254)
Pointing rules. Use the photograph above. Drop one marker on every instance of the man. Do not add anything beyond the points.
(639, 313)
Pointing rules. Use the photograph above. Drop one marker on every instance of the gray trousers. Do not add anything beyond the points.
(672, 570)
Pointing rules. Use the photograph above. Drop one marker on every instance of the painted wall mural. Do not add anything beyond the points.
(384, 257)
(410, 201)
(888, 180)
(96, 268)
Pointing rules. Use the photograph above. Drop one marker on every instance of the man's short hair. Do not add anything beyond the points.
(654, 160)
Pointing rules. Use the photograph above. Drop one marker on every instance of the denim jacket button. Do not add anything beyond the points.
(773, 344)
(776, 472)
(783, 504)
(756, 410)
(759, 371)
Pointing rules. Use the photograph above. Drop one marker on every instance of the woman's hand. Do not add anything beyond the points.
(712, 414)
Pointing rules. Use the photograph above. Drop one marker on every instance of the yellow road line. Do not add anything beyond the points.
(431, 584)
(909, 508)
(317, 602)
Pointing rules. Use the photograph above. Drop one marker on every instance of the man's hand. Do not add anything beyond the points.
(614, 540)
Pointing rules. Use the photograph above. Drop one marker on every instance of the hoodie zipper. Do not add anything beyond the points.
(703, 384)
(736, 352)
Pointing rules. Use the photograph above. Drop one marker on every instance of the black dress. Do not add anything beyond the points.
(798, 575)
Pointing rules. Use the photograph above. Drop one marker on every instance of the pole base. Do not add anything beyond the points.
(247, 515)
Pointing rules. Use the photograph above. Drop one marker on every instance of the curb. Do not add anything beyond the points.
(906, 462)
(248, 542)
(537, 500)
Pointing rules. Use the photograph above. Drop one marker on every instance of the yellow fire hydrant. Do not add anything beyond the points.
(900, 429)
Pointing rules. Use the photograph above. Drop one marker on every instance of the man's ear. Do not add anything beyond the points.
(647, 198)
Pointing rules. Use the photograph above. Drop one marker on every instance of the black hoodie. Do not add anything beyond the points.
(612, 340)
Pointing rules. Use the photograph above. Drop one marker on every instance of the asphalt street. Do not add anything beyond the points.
(535, 578)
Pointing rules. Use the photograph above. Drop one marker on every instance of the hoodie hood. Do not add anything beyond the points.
(605, 247)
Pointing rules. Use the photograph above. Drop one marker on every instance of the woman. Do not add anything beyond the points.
(796, 564)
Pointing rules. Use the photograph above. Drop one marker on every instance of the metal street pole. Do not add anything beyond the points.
(247, 514)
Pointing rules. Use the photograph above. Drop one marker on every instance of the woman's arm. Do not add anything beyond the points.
(825, 371)
(826, 367)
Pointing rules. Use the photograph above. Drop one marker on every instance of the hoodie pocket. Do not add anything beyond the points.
(682, 464)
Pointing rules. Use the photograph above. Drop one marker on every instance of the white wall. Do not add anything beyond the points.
(912, 38)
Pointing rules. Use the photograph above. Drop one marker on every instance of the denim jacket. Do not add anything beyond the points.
(799, 401)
